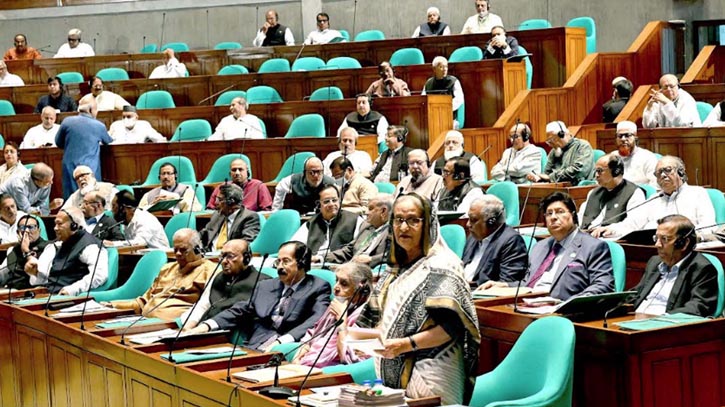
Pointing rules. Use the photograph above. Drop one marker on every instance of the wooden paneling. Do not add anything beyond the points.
(106, 382)
(33, 372)
(65, 361)
(147, 391)
(8, 375)
(708, 66)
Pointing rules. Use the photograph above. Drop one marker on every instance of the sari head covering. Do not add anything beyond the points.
(430, 224)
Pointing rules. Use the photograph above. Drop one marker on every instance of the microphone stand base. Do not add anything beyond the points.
(277, 392)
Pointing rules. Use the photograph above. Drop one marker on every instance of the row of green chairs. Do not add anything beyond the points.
(304, 64)
(584, 22)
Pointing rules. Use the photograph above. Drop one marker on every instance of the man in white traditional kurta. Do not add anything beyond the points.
(42, 135)
(239, 124)
(74, 48)
(520, 159)
(639, 163)
(131, 130)
(670, 106)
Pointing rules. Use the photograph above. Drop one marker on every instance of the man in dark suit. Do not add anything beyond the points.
(620, 96)
(392, 164)
(677, 280)
(500, 45)
(570, 262)
(98, 223)
(494, 251)
(231, 219)
(283, 308)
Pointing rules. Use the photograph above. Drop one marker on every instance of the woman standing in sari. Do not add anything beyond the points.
(424, 310)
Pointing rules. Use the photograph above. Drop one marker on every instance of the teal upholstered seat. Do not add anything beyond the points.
(619, 264)
(534, 24)
(343, 63)
(184, 169)
(6, 109)
(71, 77)
(233, 70)
(176, 46)
(307, 125)
(274, 65)
(112, 74)
(143, 276)
(591, 31)
(263, 94)
(192, 130)
(455, 238)
(228, 45)
(466, 54)
(327, 93)
(370, 35)
(155, 99)
(279, 228)
(407, 56)
(507, 192)
(225, 99)
(308, 64)
(220, 169)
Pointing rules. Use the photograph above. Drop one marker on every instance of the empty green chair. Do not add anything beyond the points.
(718, 202)
(143, 276)
(370, 35)
(326, 93)
(274, 65)
(455, 238)
(233, 70)
(343, 63)
(720, 283)
(529, 68)
(597, 154)
(619, 265)
(225, 99)
(534, 24)
(155, 99)
(649, 190)
(184, 170)
(179, 221)
(279, 228)
(461, 115)
(176, 46)
(307, 125)
(508, 193)
(591, 31)
(466, 54)
(263, 94)
(542, 363)
(149, 49)
(228, 45)
(192, 130)
(407, 56)
(345, 34)
(71, 77)
(220, 169)
(326, 275)
(112, 74)
(544, 158)
(294, 164)
(703, 109)
(385, 187)
(6, 109)
(359, 371)
(308, 64)
(112, 271)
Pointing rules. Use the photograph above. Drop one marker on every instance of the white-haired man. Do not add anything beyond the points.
(347, 143)
(639, 163)
(670, 106)
(74, 48)
(522, 158)
(42, 135)
(86, 180)
(453, 145)
(570, 159)
(443, 84)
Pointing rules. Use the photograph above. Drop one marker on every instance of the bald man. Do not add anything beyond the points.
(670, 106)
(171, 67)
(301, 191)
(32, 190)
(80, 138)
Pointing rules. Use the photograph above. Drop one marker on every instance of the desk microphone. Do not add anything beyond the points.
(191, 210)
(526, 201)
(102, 233)
(52, 287)
(611, 218)
(528, 259)
(143, 314)
(90, 285)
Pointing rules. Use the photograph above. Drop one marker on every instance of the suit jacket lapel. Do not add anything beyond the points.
(680, 280)
(569, 252)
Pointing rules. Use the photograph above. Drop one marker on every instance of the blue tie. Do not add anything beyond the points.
(92, 221)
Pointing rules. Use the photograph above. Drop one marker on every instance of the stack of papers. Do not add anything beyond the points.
(287, 371)
(91, 306)
(663, 321)
(356, 395)
(151, 337)
(500, 292)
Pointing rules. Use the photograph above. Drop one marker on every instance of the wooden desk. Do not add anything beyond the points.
(537, 192)
(680, 366)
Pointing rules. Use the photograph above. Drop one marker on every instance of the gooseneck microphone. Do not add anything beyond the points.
(528, 260)
(143, 314)
(90, 284)
(611, 218)
(52, 287)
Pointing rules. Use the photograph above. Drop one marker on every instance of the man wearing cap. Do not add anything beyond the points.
(131, 130)
(570, 159)
(670, 106)
(620, 96)
(453, 148)
(639, 163)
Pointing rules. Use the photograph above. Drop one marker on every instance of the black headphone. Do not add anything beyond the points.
(616, 165)
(525, 132)
(247, 256)
(73, 225)
(681, 171)
(561, 132)
(680, 243)
(402, 135)
(198, 250)
(458, 176)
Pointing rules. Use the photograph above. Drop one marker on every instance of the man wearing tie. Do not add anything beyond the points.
(97, 222)
(570, 262)
(231, 219)
(283, 308)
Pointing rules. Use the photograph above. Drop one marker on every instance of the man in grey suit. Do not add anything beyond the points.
(231, 219)
(570, 262)
(282, 309)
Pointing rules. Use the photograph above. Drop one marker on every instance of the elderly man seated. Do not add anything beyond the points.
(570, 159)
(142, 228)
(388, 84)
(231, 220)
(239, 124)
(443, 84)
(12, 269)
(356, 190)
(300, 191)
(421, 180)
(106, 100)
(42, 135)
(519, 160)
(670, 106)
(9, 216)
(639, 163)
(171, 189)
(347, 142)
(256, 194)
(459, 190)
(453, 147)
(171, 67)
(86, 180)
(131, 130)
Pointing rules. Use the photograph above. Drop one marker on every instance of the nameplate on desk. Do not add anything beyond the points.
(501, 292)
(288, 371)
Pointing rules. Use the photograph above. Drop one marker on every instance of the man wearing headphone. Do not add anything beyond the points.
(231, 220)
(483, 21)
(639, 163)
(67, 266)
(459, 189)
(365, 120)
(142, 228)
(522, 158)
(453, 147)
(301, 191)
(611, 201)
(570, 262)
(256, 194)
(74, 48)
(392, 164)
(421, 180)
(356, 190)
(494, 250)
(347, 144)
(677, 279)
(281, 309)
(670, 106)
(171, 189)
(570, 159)
(239, 124)
(388, 84)
(178, 285)
(234, 284)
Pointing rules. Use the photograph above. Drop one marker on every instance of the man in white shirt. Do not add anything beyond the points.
(142, 228)
(106, 100)
(42, 135)
(365, 120)
(483, 21)
(453, 148)
(87, 183)
(9, 216)
(347, 142)
(171, 68)
(443, 84)
(639, 163)
(171, 189)
(74, 48)
(324, 33)
(522, 158)
(131, 130)
(670, 106)
(421, 180)
(239, 124)
(273, 33)
(8, 79)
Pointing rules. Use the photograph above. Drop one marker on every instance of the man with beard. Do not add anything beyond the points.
(365, 120)
(239, 124)
(21, 50)
(483, 21)
(357, 190)
(421, 180)
(131, 130)
(87, 183)
(301, 191)
(42, 135)
(670, 106)
(453, 148)
(98, 223)
(171, 189)
(142, 228)
(12, 270)
(256, 194)
(639, 163)
(392, 164)
(522, 158)
(331, 228)
(231, 220)
(620, 96)
(434, 25)
(570, 159)
(388, 84)
(459, 189)
(106, 100)
(347, 144)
